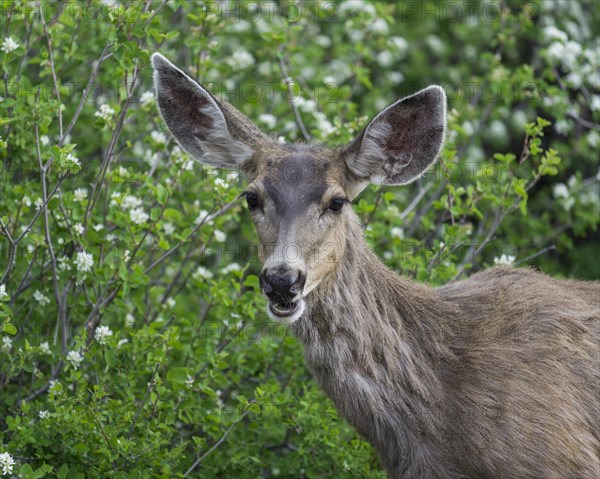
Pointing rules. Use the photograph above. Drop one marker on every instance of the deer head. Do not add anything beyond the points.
(298, 195)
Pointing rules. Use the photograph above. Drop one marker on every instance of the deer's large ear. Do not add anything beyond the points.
(402, 141)
(210, 130)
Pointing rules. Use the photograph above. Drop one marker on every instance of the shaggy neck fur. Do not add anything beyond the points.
(375, 344)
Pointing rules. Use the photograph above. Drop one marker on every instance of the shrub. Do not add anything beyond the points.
(135, 342)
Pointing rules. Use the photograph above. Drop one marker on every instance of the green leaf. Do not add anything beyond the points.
(177, 375)
(171, 214)
(9, 328)
(63, 471)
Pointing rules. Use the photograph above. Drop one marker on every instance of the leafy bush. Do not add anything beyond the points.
(135, 342)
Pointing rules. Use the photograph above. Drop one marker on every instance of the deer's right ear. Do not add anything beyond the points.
(211, 131)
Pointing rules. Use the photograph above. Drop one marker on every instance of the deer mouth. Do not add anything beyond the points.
(286, 311)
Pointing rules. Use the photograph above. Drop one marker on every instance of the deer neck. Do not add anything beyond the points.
(367, 319)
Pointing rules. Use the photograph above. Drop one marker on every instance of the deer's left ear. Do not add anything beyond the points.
(402, 141)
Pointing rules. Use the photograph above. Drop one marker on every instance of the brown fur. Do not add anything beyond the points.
(497, 376)
(484, 378)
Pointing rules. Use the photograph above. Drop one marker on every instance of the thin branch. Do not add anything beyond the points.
(290, 97)
(552, 247)
(14, 243)
(85, 94)
(413, 204)
(217, 444)
(54, 78)
(139, 410)
(61, 309)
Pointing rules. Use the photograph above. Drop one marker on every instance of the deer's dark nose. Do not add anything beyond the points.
(282, 284)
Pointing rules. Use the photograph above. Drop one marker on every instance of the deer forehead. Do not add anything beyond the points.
(299, 177)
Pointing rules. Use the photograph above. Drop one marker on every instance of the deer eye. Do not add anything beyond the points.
(336, 205)
(251, 200)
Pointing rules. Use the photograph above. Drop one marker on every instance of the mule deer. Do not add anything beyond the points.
(496, 376)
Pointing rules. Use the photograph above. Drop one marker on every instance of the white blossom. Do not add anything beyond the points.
(201, 218)
(220, 237)
(505, 259)
(168, 228)
(110, 4)
(129, 320)
(147, 98)
(269, 120)
(102, 334)
(105, 112)
(354, 6)
(395, 77)
(189, 382)
(41, 297)
(221, 183)
(71, 160)
(43, 414)
(560, 190)
(574, 79)
(75, 358)
(38, 203)
(63, 263)
(3, 293)
(6, 460)
(6, 343)
(54, 386)
(231, 268)
(138, 216)
(170, 302)
(323, 41)
(45, 348)
(303, 104)
(593, 139)
(130, 202)
(385, 58)
(159, 137)
(323, 124)
(80, 194)
(400, 44)
(555, 52)
(595, 103)
(98, 227)
(122, 342)
(379, 26)
(78, 228)
(397, 232)
(202, 273)
(26, 201)
(563, 127)
(84, 261)
(9, 45)
(553, 33)
(240, 60)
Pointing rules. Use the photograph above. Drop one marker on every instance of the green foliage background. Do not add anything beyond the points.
(154, 357)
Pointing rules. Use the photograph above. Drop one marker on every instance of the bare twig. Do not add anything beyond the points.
(139, 410)
(12, 250)
(217, 444)
(290, 96)
(54, 78)
(61, 316)
(85, 94)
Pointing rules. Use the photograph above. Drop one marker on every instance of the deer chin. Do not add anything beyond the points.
(286, 313)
